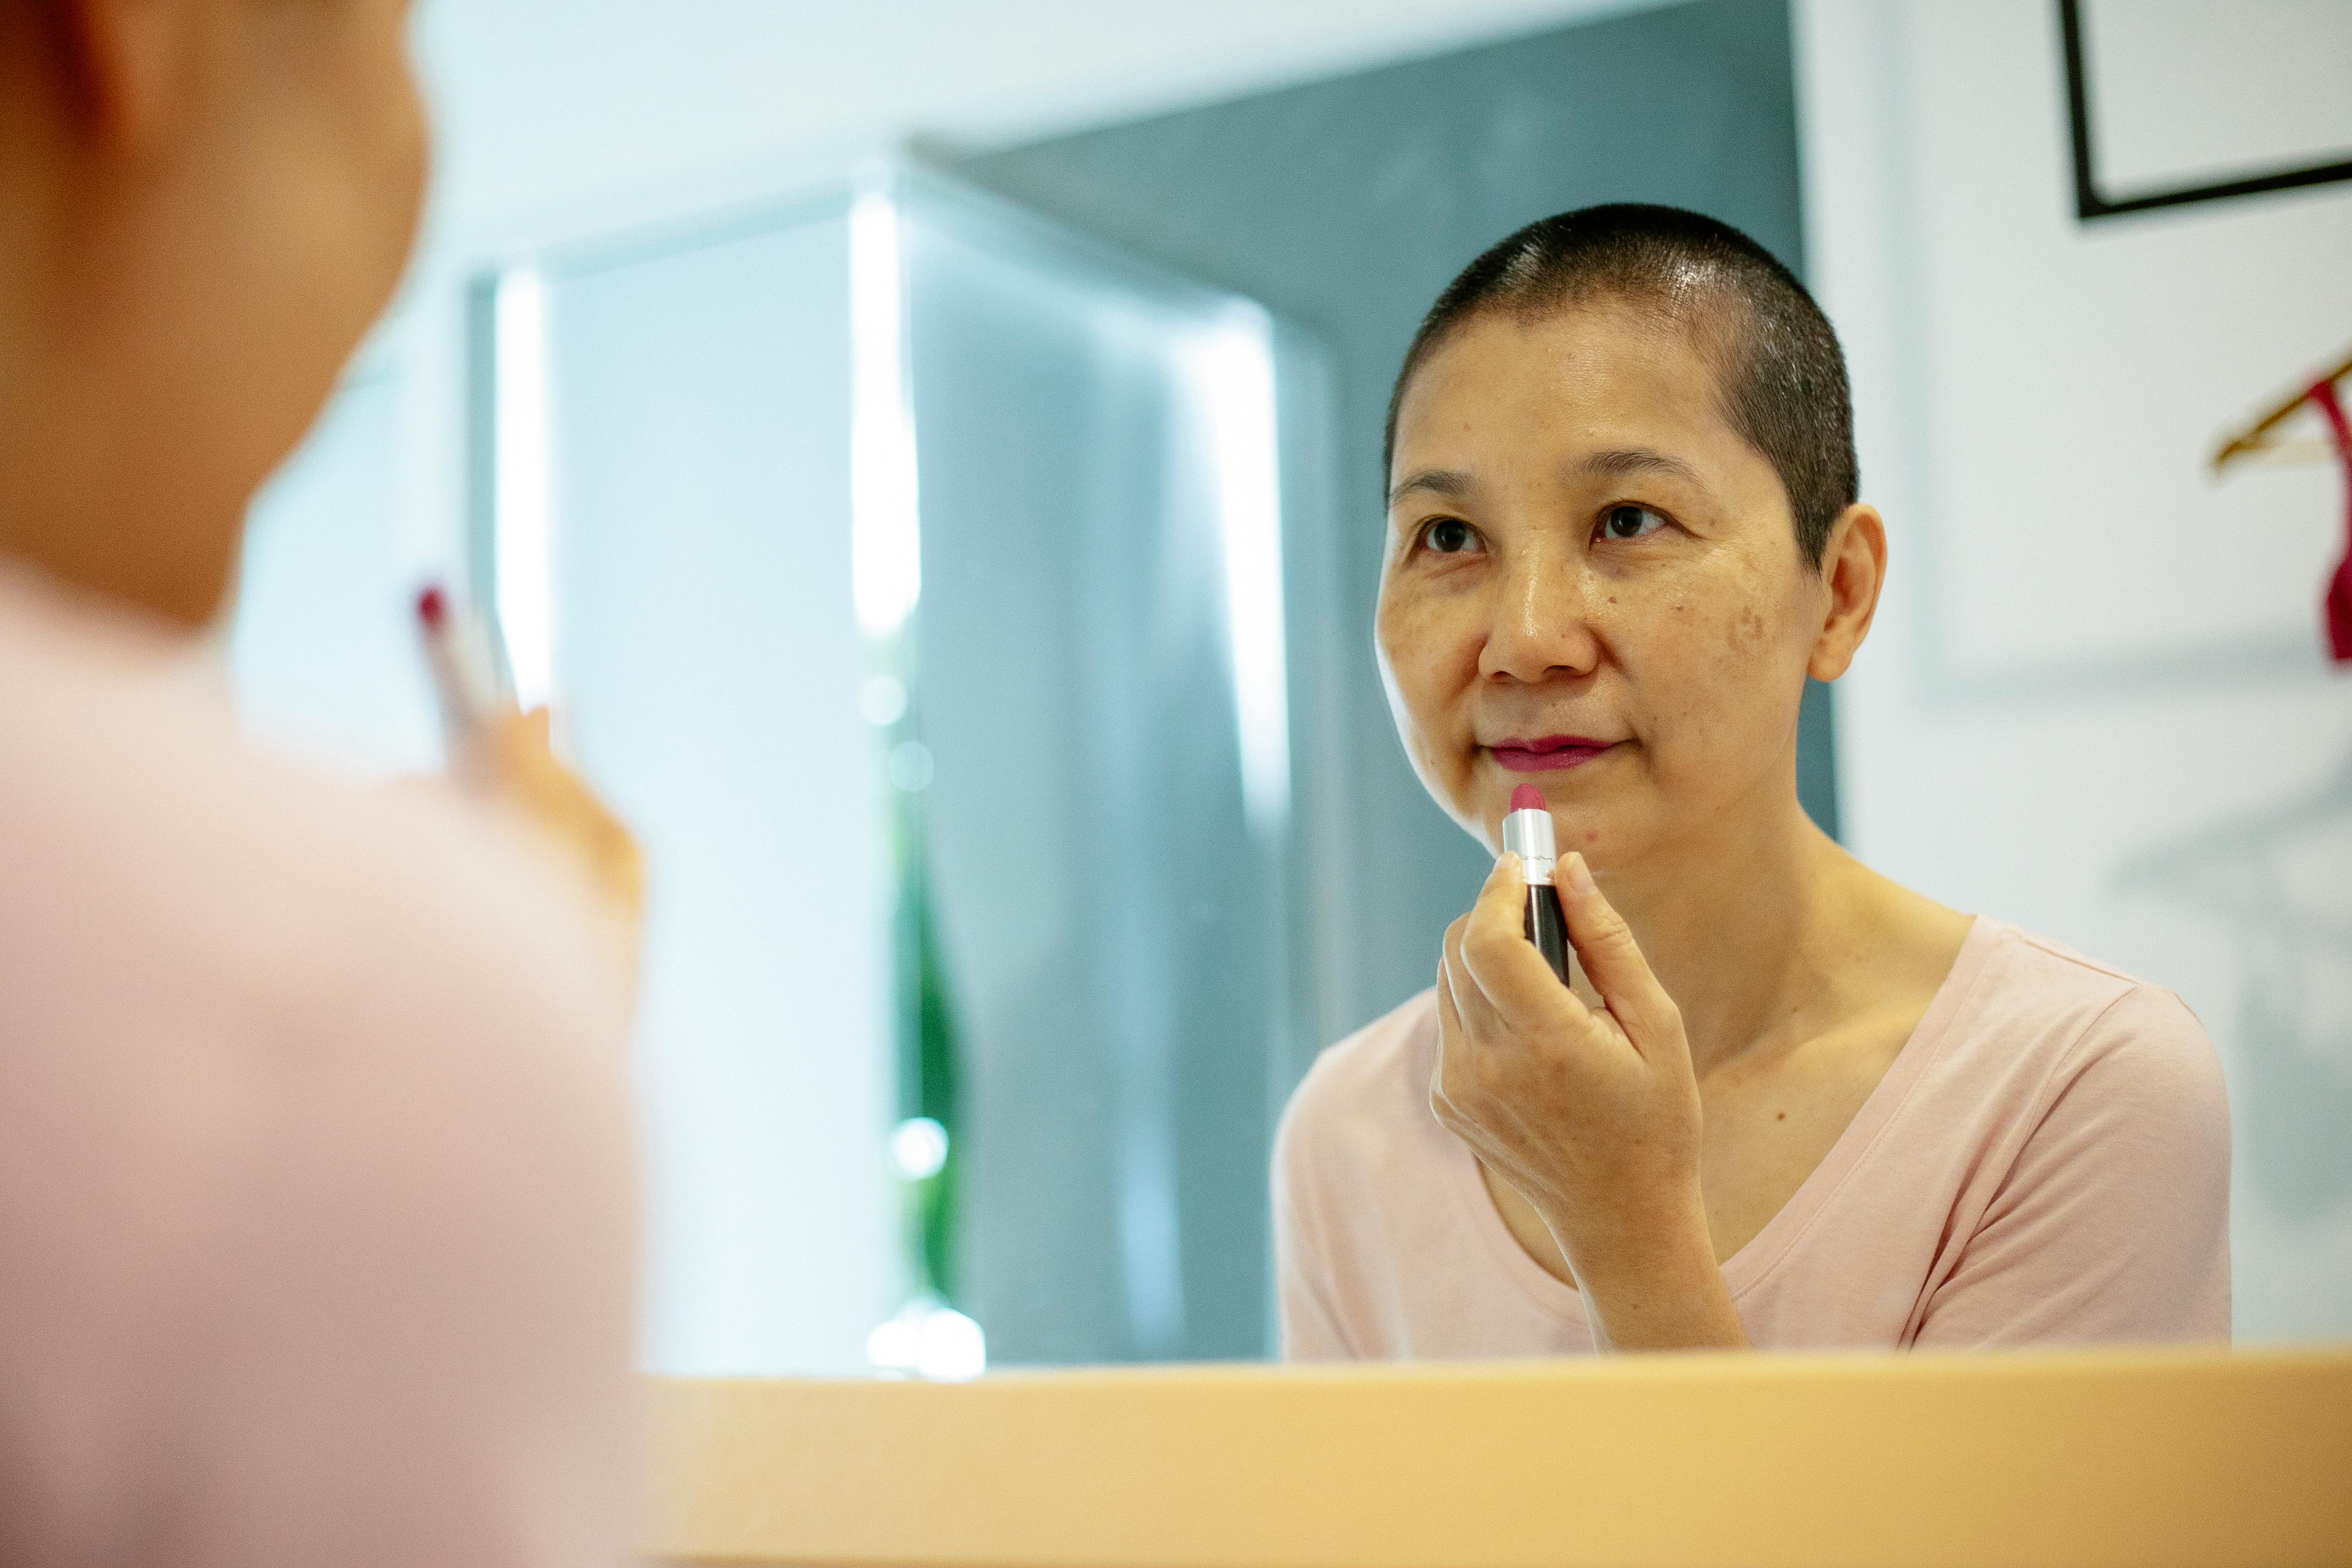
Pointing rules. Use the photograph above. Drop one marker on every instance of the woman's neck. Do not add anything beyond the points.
(1739, 922)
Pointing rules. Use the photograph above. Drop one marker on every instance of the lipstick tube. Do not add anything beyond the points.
(1528, 833)
(460, 651)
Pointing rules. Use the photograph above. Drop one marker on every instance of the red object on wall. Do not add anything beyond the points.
(2339, 587)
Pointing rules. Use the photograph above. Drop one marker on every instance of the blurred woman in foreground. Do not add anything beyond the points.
(316, 1198)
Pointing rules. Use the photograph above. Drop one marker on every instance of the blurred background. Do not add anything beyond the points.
(928, 455)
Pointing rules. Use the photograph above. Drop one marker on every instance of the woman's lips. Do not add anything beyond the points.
(1551, 753)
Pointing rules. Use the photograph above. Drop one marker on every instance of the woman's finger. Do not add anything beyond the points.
(1484, 1022)
(524, 773)
(1613, 959)
(1507, 972)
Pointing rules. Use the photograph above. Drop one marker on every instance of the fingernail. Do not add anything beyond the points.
(1580, 876)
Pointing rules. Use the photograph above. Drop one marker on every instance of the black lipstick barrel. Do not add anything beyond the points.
(1548, 928)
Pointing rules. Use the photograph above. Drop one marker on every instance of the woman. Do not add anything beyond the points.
(316, 1196)
(1792, 1103)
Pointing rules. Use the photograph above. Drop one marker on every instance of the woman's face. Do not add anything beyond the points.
(1591, 584)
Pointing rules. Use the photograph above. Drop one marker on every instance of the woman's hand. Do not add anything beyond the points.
(1592, 1114)
(516, 765)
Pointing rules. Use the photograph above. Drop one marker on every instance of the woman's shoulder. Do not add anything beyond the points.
(2091, 1199)
(2014, 969)
(152, 840)
(1377, 1078)
(2028, 1006)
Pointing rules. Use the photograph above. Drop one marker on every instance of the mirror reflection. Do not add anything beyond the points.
(1075, 624)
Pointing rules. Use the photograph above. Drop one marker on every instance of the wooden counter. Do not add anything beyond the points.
(2078, 1458)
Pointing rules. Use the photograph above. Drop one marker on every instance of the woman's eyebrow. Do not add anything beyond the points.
(1450, 484)
(1635, 460)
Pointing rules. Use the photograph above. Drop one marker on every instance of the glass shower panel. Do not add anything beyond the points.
(706, 660)
(1102, 691)
(909, 574)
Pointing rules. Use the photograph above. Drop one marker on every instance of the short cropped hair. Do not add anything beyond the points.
(1779, 374)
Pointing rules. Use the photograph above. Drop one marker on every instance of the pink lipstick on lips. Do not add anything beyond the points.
(1548, 753)
(1527, 833)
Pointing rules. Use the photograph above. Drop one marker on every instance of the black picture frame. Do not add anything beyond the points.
(2091, 202)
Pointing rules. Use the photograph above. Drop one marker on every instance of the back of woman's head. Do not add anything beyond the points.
(206, 203)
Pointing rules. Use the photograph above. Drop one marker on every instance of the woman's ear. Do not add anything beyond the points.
(1854, 568)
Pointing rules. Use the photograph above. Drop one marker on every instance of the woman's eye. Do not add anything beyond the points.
(1630, 522)
(1448, 536)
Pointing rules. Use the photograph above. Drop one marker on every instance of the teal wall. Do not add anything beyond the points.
(1344, 206)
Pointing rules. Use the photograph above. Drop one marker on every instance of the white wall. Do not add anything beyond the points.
(2095, 701)
(707, 663)
(545, 104)
(322, 651)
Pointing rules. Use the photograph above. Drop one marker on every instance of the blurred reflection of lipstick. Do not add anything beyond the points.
(465, 676)
(1527, 833)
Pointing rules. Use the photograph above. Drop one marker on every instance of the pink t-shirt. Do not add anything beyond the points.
(2046, 1161)
(317, 1197)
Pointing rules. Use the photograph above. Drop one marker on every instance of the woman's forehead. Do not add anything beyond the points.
(1540, 386)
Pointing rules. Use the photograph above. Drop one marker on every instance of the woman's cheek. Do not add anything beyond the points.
(1731, 691)
(1679, 669)
(1432, 660)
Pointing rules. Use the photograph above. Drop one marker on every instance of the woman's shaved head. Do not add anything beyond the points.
(1780, 377)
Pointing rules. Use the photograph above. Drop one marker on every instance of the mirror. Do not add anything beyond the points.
(901, 546)
(892, 550)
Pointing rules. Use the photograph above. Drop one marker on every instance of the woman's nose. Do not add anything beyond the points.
(1541, 622)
